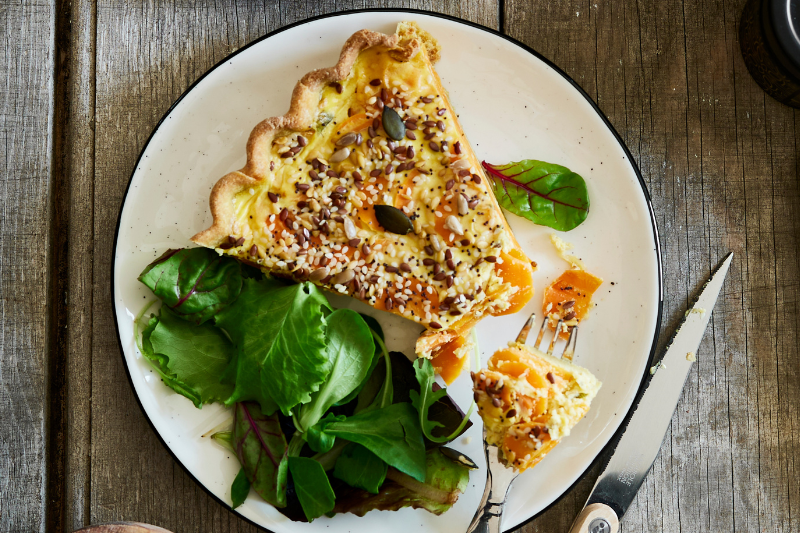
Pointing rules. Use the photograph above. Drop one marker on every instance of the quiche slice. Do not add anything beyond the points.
(529, 401)
(368, 187)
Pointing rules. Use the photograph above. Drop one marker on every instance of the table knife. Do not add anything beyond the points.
(642, 437)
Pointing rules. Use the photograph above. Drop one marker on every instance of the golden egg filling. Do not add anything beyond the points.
(368, 187)
(529, 401)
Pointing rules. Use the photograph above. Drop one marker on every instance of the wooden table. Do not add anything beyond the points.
(85, 83)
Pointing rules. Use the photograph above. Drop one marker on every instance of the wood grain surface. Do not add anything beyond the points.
(87, 80)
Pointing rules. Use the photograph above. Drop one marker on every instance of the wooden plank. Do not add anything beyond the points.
(145, 58)
(720, 159)
(26, 68)
(73, 229)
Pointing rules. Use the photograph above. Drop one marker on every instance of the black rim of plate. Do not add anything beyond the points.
(611, 444)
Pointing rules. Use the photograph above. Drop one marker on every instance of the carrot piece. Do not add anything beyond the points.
(447, 363)
(572, 285)
(357, 122)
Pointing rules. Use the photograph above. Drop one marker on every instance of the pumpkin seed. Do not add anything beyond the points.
(458, 457)
(340, 155)
(393, 124)
(347, 140)
(393, 220)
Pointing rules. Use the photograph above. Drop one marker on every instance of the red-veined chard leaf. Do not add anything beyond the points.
(312, 487)
(544, 193)
(280, 335)
(196, 283)
(261, 449)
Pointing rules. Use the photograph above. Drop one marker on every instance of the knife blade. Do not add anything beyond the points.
(641, 440)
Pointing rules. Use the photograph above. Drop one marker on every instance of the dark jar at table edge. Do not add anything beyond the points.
(769, 35)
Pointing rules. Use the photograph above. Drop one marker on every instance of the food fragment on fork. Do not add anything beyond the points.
(529, 401)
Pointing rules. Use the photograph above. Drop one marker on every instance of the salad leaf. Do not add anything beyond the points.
(444, 481)
(159, 362)
(196, 355)
(392, 433)
(196, 283)
(312, 487)
(280, 334)
(261, 448)
(351, 349)
(427, 397)
(239, 489)
(544, 193)
(376, 328)
(360, 468)
(318, 440)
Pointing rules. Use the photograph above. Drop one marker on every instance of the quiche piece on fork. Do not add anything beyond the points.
(367, 186)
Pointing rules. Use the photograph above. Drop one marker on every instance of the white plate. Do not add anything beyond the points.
(513, 105)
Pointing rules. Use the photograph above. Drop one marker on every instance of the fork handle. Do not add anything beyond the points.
(490, 511)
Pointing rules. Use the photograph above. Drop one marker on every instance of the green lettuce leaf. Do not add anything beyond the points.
(159, 363)
(360, 468)
(196, 283)
(312, 487)
(196, 355)
(544, 193)
(261, 449)
(392, 433)
(351, 349)
(444, 481)
(280, 335)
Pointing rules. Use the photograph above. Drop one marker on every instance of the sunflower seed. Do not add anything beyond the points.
(454, 225)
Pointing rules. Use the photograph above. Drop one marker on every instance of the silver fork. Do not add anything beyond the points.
(498, 477)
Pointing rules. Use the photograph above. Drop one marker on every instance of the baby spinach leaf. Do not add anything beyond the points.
(351, 349)
(239, 489)
(444, 481)
(280, 334)
(196, 355)
(392, 433)
(360, 468)
(196, 283)
(318, 440)
(312, 487)
(376, 327)
(544, 193)
(261, 448)
(426, 398)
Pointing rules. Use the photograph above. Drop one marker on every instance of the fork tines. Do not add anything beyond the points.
(572, 339)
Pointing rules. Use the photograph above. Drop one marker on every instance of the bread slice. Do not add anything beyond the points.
(327, 194)
(529, 401)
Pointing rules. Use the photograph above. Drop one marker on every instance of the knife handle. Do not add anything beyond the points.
(596, 518)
